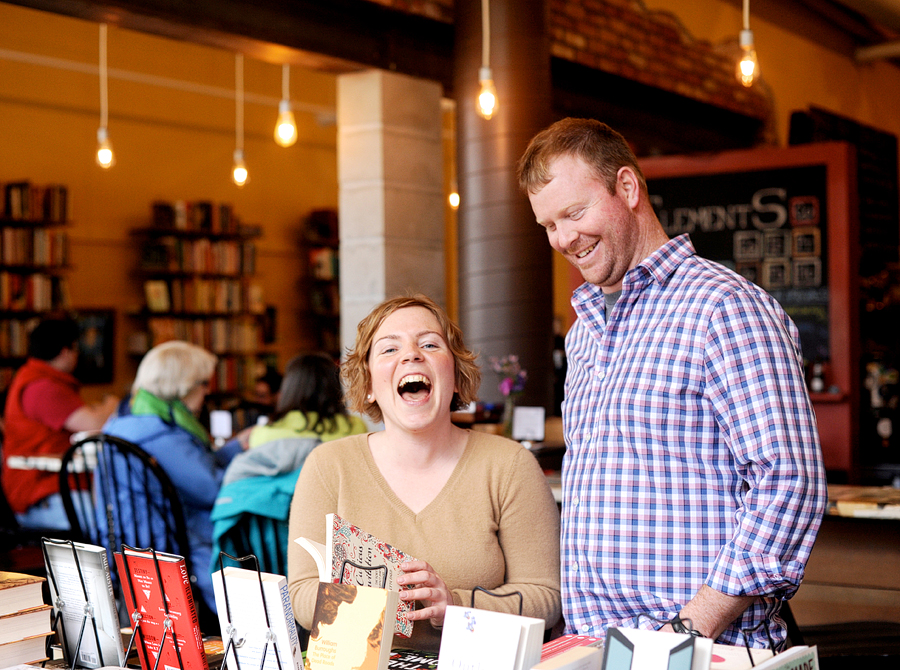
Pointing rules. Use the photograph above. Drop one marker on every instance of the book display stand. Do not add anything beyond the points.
(58, 624)
(168, 628)
(229, 630)
(497, 595)
(367, 568)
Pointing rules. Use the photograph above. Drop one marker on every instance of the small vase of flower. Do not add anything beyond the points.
(512, 383)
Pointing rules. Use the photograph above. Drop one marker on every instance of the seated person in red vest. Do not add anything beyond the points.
(43, 409)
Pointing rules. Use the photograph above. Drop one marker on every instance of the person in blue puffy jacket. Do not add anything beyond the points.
(168, 393)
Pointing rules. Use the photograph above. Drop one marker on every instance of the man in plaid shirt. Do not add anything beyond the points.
(693, 482)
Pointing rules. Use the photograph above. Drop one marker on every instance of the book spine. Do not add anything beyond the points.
(294, 637)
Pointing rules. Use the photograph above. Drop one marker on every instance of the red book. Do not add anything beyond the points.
(140, 576)
(564, 642)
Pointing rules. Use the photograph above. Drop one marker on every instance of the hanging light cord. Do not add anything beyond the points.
(285, 81)
(104, 102)
(485, 33)
(239, 101)
(746, 14)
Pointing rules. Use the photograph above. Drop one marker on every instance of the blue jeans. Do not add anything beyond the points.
(49, 512)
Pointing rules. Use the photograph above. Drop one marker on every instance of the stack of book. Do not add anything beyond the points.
(24, 619)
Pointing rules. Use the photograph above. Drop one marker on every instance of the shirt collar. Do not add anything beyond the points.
(658, 266)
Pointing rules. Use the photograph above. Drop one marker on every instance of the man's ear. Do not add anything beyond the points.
(628, 185)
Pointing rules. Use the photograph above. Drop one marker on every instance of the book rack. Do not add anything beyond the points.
(169, 630)
(497, 595)
(230, 632)
(58, 623)
(367, 568)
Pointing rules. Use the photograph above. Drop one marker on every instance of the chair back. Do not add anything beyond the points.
(264, 537)
(135, 502)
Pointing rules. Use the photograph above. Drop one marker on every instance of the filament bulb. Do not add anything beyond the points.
(487, 96)
(285, 127)
(105, 157)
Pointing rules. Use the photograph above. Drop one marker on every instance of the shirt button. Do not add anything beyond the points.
(585, 628)
(574, 567)
(575, 501)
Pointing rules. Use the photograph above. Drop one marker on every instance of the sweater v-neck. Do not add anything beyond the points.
(392, 495)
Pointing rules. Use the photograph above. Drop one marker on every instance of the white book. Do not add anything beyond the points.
(248, 617)
(66, 587)
(800, 656)
(655, 650)
(485, 640)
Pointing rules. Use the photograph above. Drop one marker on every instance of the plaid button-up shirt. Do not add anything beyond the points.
(692, 451)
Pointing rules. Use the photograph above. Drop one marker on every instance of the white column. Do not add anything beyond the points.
(391, 212)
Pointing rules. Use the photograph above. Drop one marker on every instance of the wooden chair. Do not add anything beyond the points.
(135, 503)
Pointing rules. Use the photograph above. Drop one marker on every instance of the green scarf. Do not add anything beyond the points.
(171, 411)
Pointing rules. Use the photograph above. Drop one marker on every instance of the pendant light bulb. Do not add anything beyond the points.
(487, 96)
(454, 200)
(748, 66)
(285, 127)
(239, 171)
(105, 157)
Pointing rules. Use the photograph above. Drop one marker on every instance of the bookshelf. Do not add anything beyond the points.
(197, 267)
(320, 294)
(34, 258)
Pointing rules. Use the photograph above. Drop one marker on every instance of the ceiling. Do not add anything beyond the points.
(342, 35)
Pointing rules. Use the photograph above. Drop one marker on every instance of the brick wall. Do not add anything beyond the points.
(624, 38)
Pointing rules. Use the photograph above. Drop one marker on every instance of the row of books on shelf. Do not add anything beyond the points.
(323, 263)
(45, 247)
(24, 201)
(14, 336)
(199, 255)
(212, 296)
(34, 292)
(201, 215)
(233, 335)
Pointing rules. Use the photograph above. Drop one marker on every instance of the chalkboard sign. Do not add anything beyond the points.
(769, 225)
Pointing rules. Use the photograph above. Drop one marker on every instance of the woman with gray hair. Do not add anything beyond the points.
(168, 393)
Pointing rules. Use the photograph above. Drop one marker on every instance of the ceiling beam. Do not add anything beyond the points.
(329, 35)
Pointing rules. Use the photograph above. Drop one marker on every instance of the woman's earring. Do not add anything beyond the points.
(370, 398)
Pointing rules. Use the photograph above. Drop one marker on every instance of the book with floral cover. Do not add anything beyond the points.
(355, 558)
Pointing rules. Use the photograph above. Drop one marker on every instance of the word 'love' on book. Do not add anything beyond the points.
(347, 548)
(351, 628)
(251, 620)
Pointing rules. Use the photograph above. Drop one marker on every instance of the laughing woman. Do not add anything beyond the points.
(474, 508)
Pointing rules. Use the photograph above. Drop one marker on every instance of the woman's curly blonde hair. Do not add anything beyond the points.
(355, 369)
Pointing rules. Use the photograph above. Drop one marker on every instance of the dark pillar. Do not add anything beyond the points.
(505, 272)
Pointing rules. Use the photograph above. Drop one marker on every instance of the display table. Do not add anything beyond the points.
(853, 573)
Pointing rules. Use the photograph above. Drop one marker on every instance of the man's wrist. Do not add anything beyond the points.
(679, 626)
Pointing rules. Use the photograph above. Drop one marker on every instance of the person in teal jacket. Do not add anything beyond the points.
(310, 404)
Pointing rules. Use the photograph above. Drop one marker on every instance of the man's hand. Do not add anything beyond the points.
(710, 611)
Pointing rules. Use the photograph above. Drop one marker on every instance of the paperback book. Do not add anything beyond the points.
(353, 552)
(252, 620)
(145, 576)
(351, 628)
(79, 574)
(485, 640)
